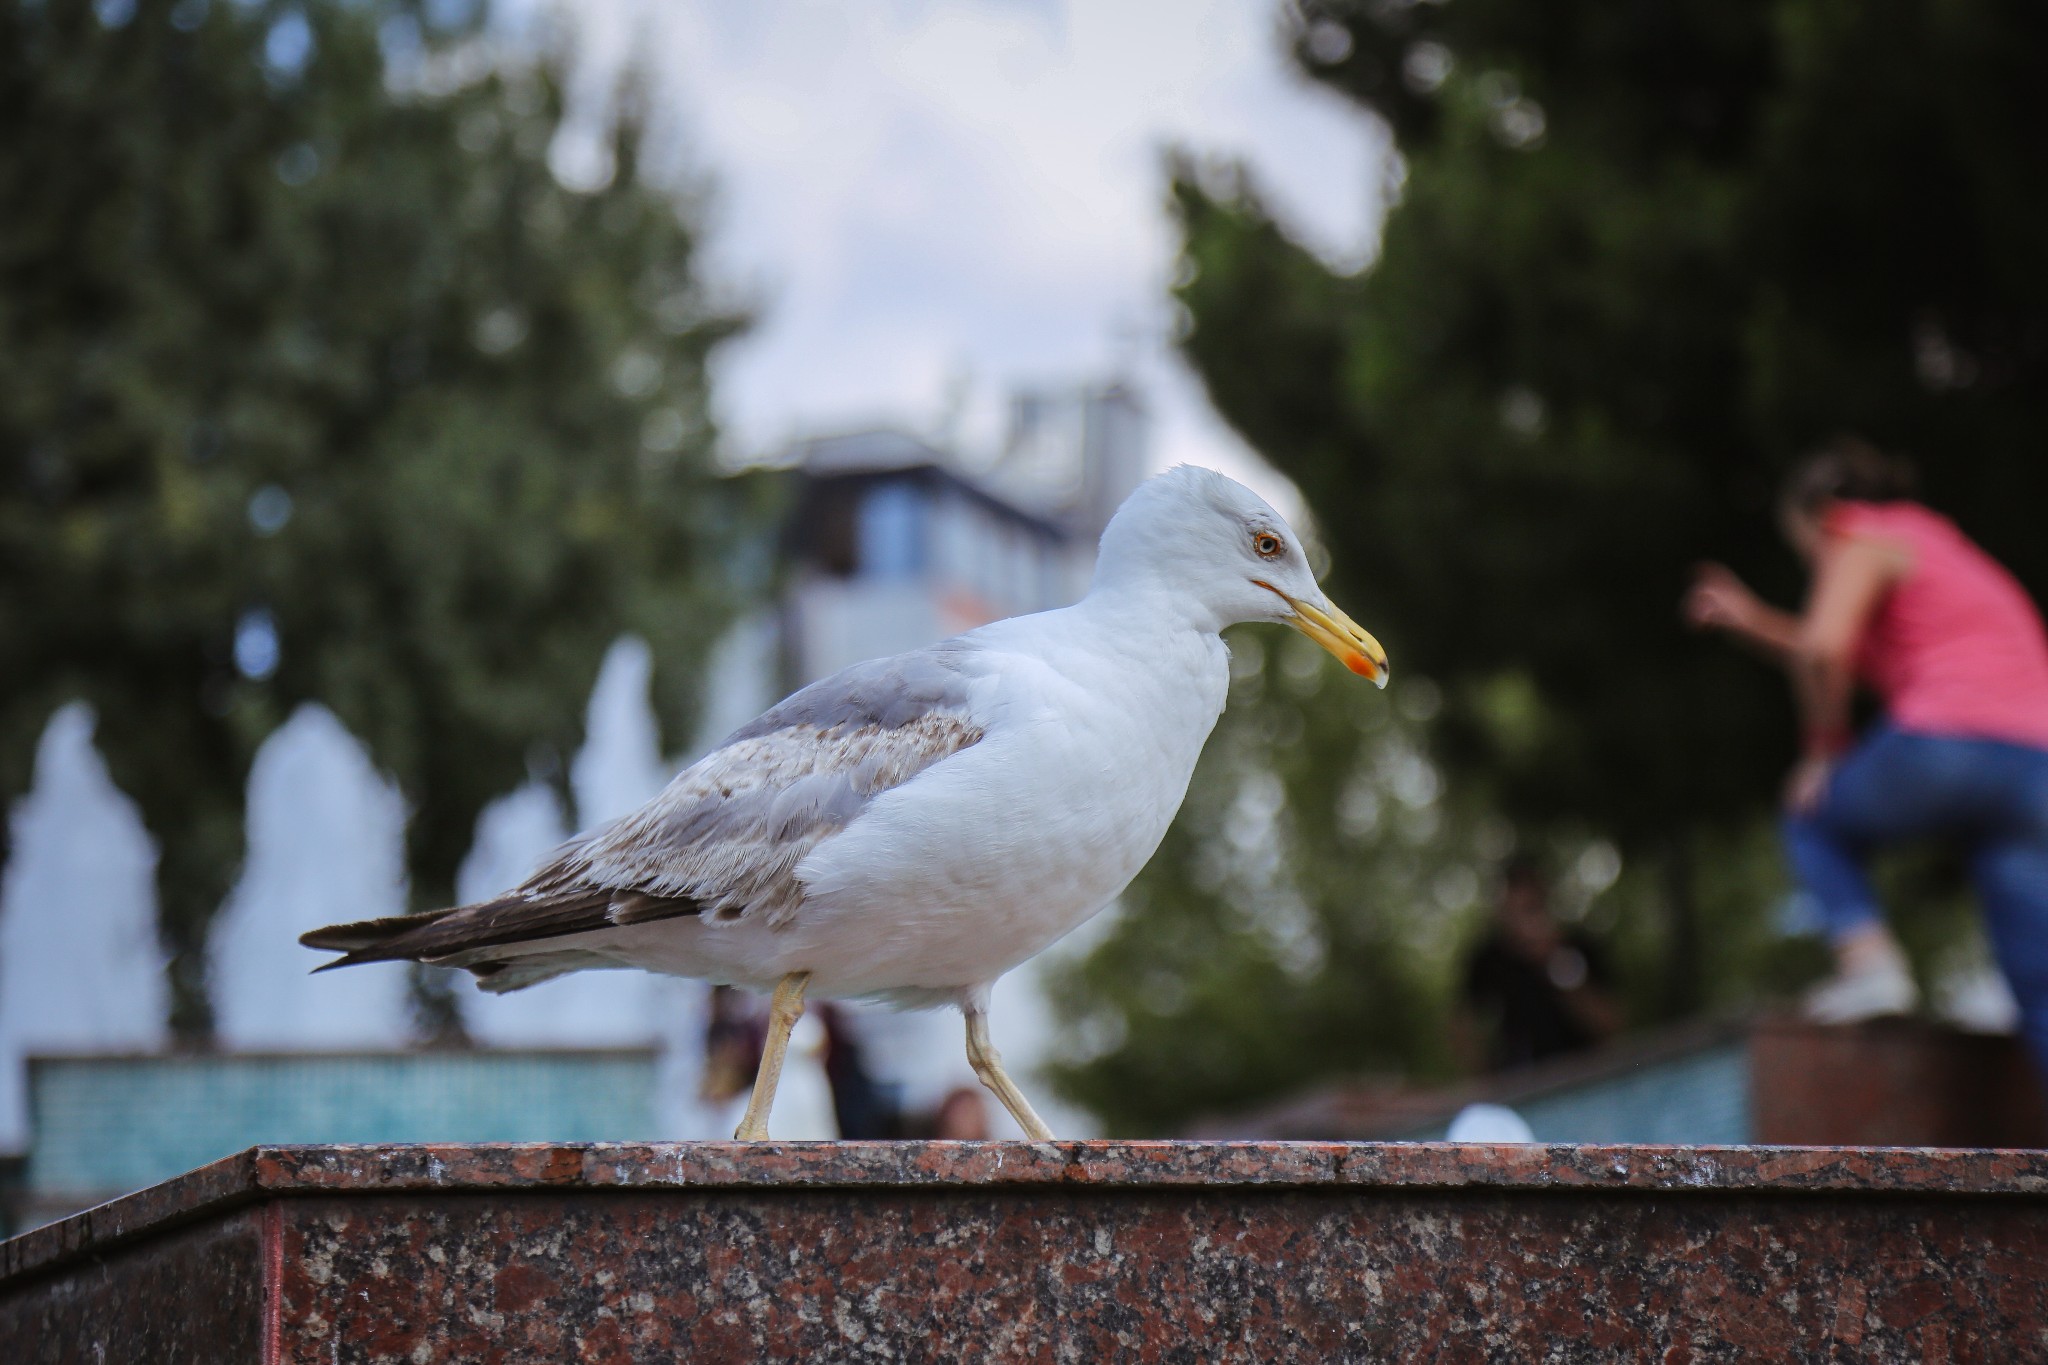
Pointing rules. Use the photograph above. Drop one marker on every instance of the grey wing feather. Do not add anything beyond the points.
(730, 830)
(723, 839)
(890, 693)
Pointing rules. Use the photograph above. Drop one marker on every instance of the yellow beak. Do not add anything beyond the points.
(1333, 630)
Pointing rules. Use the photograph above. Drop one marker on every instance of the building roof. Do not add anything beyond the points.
(868, 455)
(883, 450)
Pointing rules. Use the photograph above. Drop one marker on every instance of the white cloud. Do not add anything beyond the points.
(926, 192)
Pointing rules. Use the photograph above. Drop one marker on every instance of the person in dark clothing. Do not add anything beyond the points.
(863, 1106)
(733, 1038)
(1535, 988)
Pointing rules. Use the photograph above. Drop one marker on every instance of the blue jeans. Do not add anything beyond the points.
(1988, 799)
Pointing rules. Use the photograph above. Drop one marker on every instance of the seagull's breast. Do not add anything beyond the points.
(987, 858)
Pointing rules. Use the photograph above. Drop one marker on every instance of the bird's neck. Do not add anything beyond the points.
(1146, 606)
(1172, 696)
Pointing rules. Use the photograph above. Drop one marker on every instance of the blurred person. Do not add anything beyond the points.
(1955, 651)
(1537, 988)
(734, 1036)
(863, 1106)
(962, 1116)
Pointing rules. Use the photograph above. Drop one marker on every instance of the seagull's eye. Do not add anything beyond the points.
(1268, 545)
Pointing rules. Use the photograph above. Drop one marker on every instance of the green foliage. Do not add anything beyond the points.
(1642, 256)
(325, 344)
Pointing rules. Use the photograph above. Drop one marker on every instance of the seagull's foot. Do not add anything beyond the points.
(783, 1012)
(988, 1068)
(1035, 1129)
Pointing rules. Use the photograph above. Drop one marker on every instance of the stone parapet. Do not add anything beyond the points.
(1086, 1251)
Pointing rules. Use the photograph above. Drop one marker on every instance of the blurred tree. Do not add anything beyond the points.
(1641, 256)
(317, 384)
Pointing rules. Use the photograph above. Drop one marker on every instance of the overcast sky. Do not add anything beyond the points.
(935, 201)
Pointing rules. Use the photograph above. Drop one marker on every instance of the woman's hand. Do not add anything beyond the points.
(1807, 784)
(1721, 601)
(1718, 600)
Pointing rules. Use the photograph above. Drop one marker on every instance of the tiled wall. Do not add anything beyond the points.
(119, 1123)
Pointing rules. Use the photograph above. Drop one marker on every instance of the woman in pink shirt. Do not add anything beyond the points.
(1952, 645)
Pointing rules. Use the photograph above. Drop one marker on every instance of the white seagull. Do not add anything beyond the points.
(911, 828)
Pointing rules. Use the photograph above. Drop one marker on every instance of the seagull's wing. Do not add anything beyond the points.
(723, 839)
(728, 833)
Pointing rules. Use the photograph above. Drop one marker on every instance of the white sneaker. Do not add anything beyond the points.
(1871, 993)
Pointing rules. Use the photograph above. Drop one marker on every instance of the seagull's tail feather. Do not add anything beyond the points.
(485, 936)
(368, 933)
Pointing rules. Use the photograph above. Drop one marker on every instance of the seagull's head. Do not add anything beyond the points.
(1213, 543)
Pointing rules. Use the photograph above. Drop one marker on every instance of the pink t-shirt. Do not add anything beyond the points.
(1955, 647)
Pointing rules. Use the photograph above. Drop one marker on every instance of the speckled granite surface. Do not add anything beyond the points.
(1053, 1252)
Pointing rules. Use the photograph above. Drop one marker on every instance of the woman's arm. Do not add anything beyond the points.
(1849, 578)
(1720, 600)
(1818, 646)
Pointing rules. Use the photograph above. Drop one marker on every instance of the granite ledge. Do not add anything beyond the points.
(260, 1173)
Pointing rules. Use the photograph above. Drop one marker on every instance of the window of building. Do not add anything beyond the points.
(891, 531)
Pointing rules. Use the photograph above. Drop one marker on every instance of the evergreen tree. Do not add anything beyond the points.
(317, 385)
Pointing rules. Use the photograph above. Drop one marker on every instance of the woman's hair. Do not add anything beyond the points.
(1847, 467)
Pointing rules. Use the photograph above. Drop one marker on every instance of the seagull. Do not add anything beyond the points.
(911, 828)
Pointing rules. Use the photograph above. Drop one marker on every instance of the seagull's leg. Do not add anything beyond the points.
(783, 1011)
(988, 1065)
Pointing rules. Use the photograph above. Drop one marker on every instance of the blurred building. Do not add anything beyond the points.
(890, 547)
(893, 542)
